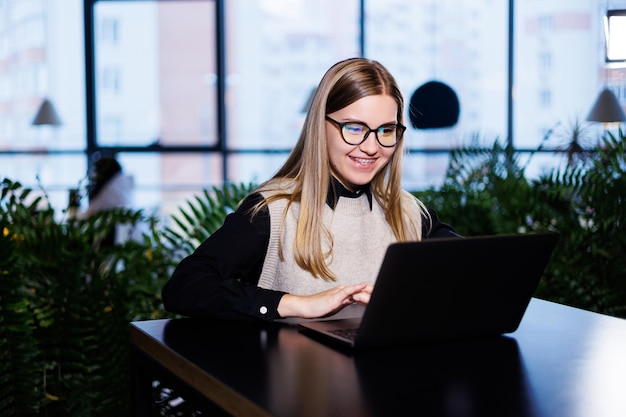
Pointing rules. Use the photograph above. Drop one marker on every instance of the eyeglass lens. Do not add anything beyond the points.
(354, 133)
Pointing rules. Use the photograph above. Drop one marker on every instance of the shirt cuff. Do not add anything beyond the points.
(266, 306)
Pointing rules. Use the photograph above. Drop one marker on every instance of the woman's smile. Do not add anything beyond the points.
(363, 161)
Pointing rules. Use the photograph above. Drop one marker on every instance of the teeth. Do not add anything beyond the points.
(364, 161)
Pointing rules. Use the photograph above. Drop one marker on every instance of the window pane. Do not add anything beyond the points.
(278, 52)
(460, 44)
(161, 182)
(52, 176)
(424, 170)
(41, 56)
(540, 164)
(254, 168)
(164, 182)
(616, 33)
(155, 73)
(559, 70)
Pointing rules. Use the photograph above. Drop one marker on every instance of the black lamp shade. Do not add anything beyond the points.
(606, 109)
(434, 105)
(46, 115)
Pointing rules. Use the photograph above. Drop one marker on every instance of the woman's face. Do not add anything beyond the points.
(356, 165)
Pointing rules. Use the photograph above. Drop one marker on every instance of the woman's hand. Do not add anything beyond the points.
(324, 303)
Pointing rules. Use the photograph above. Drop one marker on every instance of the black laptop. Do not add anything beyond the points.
(446, 289)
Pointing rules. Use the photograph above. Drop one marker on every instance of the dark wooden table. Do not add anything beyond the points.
(561, 362)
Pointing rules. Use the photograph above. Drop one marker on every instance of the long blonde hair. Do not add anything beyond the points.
(306, 173)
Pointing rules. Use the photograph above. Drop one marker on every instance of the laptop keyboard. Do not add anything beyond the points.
(346, 333)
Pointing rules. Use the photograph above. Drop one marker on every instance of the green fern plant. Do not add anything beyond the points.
(66, 299)
(485, 191)
(590, 198)
(18, 345)
(78, 297)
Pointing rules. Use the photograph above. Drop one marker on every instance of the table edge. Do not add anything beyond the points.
(204, 383)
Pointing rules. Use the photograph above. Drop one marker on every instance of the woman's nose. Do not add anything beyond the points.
(370, 144)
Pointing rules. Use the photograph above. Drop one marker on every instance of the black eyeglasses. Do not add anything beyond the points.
(355, 133)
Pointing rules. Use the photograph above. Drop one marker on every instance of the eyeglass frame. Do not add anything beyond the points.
(341, 125)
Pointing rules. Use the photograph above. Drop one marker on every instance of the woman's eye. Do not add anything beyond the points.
(387, 130)
(354, 129)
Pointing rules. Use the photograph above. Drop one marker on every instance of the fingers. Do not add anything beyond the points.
(324, 303)
(361, 298)
(355, 288)
(359, 293)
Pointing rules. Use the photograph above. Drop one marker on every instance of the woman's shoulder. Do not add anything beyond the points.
(250, 202)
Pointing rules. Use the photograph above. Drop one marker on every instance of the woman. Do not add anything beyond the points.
(109, 188)
(310, 240)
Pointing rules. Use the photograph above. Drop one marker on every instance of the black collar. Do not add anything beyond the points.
(336, 190)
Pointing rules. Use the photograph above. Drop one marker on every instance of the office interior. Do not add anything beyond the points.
(194, 94)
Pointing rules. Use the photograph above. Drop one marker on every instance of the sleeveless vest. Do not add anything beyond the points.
(360, 239)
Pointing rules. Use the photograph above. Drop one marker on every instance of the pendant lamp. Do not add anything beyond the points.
(46, 115)
(606, 109)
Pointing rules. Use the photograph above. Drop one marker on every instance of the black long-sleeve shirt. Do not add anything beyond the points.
(220, 278)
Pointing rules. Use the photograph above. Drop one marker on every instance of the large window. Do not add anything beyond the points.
(191, 93)
(460, 44)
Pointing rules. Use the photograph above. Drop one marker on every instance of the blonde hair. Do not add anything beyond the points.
(306, 173)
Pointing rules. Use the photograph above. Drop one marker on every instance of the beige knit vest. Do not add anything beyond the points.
(360, 239)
